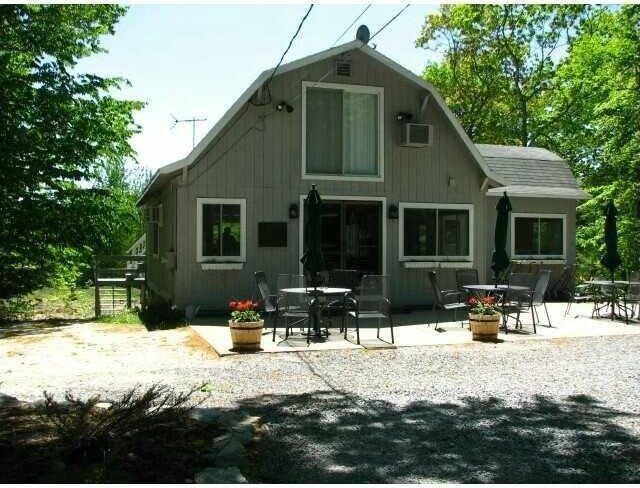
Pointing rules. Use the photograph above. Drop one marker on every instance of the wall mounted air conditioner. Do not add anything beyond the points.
(416, 135)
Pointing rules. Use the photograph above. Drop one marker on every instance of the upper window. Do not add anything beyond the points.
(538, 236)
(221, 229)
(433, 232)
(342, 135)
(155, 217)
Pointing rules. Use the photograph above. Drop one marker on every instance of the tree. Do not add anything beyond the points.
(499, 65)
(61, 132)
(599, 134)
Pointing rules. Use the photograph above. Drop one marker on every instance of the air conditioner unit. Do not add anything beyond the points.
(416, 135)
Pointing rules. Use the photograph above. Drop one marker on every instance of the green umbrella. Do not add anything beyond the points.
(611, 259)
(312, 259)
(500, 259)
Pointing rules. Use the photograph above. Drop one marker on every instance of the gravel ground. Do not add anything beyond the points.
(563, 410)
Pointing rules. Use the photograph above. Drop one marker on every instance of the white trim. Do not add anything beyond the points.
(539, 261)
(554, 258)
(372, 90)
(382, 200)
(243, 230)
(221, 266)
(437, 264)
(349, 46)
(438, 206)
(525, 191)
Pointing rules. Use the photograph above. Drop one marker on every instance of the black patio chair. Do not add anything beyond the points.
(577, 292)
(466, 277)
(444, 299)
(632, 297)
(371, 302)
(534, 299)
(341, 278)
(268, 301)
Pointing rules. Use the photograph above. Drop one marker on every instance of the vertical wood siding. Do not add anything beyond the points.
(258, 157)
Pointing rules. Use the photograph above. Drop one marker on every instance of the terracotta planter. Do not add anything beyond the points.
(484, 327)
(246, 336)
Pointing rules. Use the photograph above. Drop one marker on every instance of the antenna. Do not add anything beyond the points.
(193, 121)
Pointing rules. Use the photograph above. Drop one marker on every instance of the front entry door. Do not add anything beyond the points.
(352, 235)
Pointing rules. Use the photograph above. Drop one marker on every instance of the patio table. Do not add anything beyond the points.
(316, 292)
(614, 299)
(503, 290)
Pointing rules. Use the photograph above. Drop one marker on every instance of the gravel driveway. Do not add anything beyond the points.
(540, 411)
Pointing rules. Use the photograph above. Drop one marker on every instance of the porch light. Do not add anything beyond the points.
(294, 211)
(392, 212)
(403, 117)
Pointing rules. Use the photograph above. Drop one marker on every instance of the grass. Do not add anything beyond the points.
(124, 317)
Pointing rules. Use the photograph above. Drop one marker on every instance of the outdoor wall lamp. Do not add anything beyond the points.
(294, 211)
(392, 212)
(284, 106)
(403, 117)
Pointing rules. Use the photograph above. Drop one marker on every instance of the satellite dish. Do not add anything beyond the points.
(363, 34)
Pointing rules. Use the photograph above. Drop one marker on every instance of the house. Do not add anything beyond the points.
(404, 188)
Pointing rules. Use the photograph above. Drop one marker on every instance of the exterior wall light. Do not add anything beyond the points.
(403, 117)
(392, 212)
(284, 106)
(294, 211)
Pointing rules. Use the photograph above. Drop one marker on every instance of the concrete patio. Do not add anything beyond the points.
(417, 329)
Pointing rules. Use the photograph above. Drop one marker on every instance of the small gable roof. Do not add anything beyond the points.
(173, 169)
(531, 171)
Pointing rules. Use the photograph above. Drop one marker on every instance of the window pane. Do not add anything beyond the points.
(551, 237)
(526, 233)
(419, 232)
(231, 230)
(324, 131)
(211, 230)
(360, 133)
(155, 232)
(453, 232)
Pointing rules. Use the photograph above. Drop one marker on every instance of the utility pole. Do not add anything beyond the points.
(193, 121)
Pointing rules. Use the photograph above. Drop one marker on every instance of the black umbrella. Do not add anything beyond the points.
(611, 259)
(312, 259)
(500, 259)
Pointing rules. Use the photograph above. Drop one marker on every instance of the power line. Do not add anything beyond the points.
(290, 43)
(391, 20)
(351, 24)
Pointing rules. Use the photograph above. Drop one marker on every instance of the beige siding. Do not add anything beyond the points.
(258, 157)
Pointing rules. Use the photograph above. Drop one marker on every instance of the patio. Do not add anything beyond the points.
(412, 329)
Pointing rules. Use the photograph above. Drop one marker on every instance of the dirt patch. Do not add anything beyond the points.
(128, 328)
(197, 344)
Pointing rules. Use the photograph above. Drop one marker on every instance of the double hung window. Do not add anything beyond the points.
(343, 131)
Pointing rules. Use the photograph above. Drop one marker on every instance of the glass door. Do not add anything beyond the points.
(352, 235)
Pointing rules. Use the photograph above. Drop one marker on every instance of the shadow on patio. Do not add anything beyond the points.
(332, 437)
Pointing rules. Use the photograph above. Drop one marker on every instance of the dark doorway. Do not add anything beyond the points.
(352, 235)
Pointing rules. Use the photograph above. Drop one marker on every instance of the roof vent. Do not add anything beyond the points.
(343, 68)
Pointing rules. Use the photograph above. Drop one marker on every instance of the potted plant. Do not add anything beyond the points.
(245, 325)
(484, 318)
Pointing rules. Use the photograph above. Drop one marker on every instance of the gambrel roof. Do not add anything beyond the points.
(167, 172)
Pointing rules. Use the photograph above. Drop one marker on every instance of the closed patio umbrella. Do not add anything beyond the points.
(500, 259)
(312, 259)
(610, 259)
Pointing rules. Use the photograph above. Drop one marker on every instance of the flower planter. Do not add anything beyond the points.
(246, 336)
(484, 327)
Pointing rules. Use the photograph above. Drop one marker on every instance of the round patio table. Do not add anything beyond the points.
(614, 299)
(316, 292)
(503, 290)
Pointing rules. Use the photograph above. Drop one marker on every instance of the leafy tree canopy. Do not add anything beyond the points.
(62, 139)
(499, 64)
(566, 77)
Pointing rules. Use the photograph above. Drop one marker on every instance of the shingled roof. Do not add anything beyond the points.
(531, 171)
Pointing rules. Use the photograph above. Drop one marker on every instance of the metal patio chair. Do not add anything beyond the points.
(446, 299)
(372, 302)
(466, 277)
(534, 299)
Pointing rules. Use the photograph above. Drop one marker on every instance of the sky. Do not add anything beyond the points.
(196, 60)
